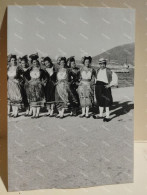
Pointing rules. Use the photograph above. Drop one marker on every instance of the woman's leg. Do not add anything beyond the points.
(16, 111)
(52, 109)
(62, 113)
(27, 111)
(33, 109)
(83, 112)
(107, 118)
(37, 111)
(101, 109)
(59, 114)
(107, 112)
(13, 110)
(87, 111)
(9, 108)
(49, 110)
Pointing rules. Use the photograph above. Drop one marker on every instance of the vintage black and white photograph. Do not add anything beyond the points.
(70, 90)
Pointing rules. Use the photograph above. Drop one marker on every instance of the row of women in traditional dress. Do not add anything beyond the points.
(34, 84)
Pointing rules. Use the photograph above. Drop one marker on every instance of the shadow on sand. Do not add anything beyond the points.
(119, 109)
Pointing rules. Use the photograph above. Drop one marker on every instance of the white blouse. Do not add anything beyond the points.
(12, 72)
(86, 74)
(35, 74)
(62, 74)
(102, 76)
(50, 71)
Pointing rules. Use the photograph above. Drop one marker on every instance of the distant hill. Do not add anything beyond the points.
(118, 55)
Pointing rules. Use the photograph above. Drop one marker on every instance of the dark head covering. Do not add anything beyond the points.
(64, 59)
(25, 58)
(86, 58)
(34, 57)
(10, 56)
(49, 60)
(70, 59)
(102, 60)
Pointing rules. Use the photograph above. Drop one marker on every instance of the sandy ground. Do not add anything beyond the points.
(72, 152)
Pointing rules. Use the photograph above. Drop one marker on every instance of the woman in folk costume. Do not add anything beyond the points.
(50, 86)
(57, 64)
(86, 86)
(19, 61)
(74, 73)
(105, 79)
(14, 85)
(35, 86)
(63, 95)
(69, 61)
(42, 64)
(24, 65)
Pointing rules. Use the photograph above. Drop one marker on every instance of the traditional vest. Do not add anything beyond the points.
(109, 74)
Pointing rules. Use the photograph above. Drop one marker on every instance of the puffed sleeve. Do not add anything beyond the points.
(79, 75)
(114, 81)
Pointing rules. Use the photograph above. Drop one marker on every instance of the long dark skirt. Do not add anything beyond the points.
(24, 95)
(103, 95)
(35, 93)
(50, 92)
(74, 90)
(63, 96)
(14, 93)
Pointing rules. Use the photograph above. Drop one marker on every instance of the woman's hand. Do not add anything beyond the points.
(43, 83)
(15, 80)
(107, 86)
(77, 83)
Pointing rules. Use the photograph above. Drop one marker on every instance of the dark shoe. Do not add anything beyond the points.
(33, 117)
(87, 116)
(61, 117)
(51, 115)
(26, 115)
(106, 119)
(47, 115)
(94, 116)
(15, 116)
(82, 116)
(57, 116)
(73, 114)
(97, 117)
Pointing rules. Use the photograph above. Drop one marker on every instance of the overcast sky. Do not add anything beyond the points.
(66, 31)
